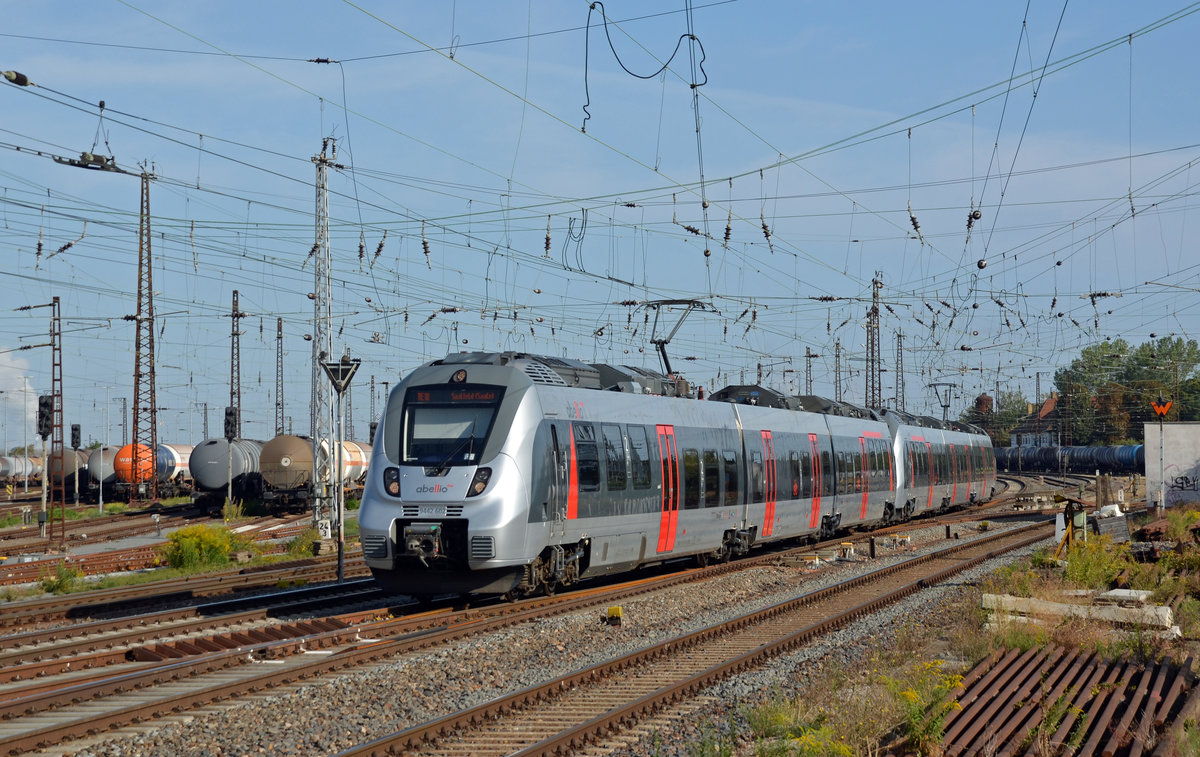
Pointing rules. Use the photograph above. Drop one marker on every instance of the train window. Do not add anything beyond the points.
(691, 479)
(614, 456)
(639, 457)
(793, 474)
(806, 481)
(844, 476)
(444, 426)
(756, 477)
(712, 479)
(587, 457)
(828, 474)
(732, 485)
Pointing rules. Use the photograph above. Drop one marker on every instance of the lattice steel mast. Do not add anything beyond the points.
(278, 376)
(58, 492)
(873, 396)
(145, 405)
(322, 420)
(235, 363)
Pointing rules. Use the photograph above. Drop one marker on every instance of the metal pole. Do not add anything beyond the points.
(339, 493)
(1162, 473)
(45, 473)
(25, 427)
(103, 444)
(229, 477)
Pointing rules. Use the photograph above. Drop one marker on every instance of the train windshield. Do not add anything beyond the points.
(445, 426)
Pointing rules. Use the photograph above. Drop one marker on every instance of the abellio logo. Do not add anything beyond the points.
(436, 488)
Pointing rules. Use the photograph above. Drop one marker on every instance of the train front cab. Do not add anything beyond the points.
(446, 501)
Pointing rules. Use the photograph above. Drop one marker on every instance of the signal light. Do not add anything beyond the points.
(75, 436)
(45, 415)
(231, 423)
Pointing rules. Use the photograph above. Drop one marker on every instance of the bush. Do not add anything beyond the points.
(1096, 563)
(201, 546)
(1180, 521)
(302, 545)
(923, 696)
(63, 580)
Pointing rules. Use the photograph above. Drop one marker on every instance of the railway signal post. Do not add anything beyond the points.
(1160, 409)
(339, 373)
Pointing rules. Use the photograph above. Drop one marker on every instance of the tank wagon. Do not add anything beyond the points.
(512, 473)
(172, 468)
(287, 462)
(214, 461)
(70, 466)
(101, 467)
(1120, 459)
(18, 468)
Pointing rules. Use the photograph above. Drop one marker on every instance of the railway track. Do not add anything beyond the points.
(125, 601)
(135, 558)
(200, 674)
(580, 708)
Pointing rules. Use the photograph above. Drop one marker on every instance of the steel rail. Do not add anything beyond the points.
(415, 738)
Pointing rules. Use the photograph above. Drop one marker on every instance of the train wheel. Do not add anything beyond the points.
(703, 559)
(550, 587)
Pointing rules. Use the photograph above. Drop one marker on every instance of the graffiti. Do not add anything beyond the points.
(1186, 484)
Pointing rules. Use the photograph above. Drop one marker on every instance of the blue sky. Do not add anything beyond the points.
(459, 129)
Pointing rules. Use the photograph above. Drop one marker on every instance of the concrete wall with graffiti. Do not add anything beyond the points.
(1173, 463)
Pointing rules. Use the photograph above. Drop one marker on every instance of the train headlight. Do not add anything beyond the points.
(480, 482)
(391, 481)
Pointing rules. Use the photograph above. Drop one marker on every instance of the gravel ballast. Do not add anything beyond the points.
(338, 712)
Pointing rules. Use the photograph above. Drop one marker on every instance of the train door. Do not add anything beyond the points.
(864, 476)
(931, 471)
(669, 460)
(970, 473)
(954, 474)
(560, 483)
(814, 518)
(771, 483)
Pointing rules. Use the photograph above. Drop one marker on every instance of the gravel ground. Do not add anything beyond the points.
(333, 714)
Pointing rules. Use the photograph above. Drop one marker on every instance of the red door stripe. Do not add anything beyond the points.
(932, 473)
(866, 476)
(816, 481)
(572, 479)
(670, 497)
(769, 473)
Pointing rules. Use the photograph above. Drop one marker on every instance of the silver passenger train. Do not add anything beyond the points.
(514, 474)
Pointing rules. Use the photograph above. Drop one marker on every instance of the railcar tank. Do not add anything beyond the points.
(286, 462)
(214, 460)
(356, 459)
(173, 463)
(134, 471)
(20, 467)
(65, 465)
(101, 465)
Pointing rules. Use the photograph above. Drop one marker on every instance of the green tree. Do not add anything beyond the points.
(1080, 384)
(1105, 393)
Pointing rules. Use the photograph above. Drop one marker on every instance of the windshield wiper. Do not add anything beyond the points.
(470, 440)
